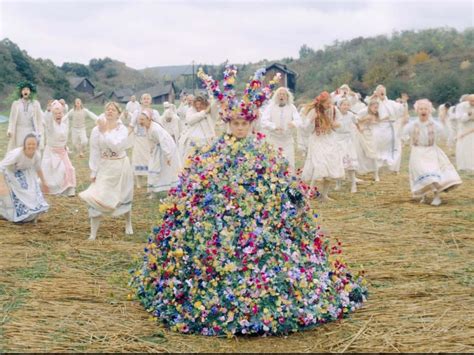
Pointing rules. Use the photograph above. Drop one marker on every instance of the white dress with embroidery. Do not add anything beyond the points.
(23, 200)
(112, 191)
(429, 167)
(58, 171)
(141, 145)
(275, 123)
(346, 134)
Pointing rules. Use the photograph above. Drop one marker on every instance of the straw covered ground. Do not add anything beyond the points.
(59, 292)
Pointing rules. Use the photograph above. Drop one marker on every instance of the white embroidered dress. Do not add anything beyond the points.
(23, 200)
(429, 167)
(465, 137)
(112, 191)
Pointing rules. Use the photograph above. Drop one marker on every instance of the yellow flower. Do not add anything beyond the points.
(178, 253)
(197, 304)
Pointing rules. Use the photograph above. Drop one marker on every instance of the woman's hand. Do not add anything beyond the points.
(102, 124)
(44, 188)
(93, 179)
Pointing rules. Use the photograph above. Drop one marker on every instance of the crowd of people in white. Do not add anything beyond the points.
(339, 134)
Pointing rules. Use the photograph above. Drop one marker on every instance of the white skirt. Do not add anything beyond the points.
(286, 144)
(430, 169)
(388, 145)
(324, 158)
(162, 177)
(24, 200)
(366, 152)
(79, 136)
(58, 171)
(465, 153)
(112, 191)
(348, 150)
(140, 155)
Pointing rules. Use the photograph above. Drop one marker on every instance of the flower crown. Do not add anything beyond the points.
(255, 94)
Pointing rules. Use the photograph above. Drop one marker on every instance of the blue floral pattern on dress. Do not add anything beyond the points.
(20, 176)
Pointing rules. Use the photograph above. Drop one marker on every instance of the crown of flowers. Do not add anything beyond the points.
(255, 93)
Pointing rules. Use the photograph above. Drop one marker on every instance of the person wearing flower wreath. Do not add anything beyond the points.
(111, 190)
(238, 249)
(429, 168)
(26, 117)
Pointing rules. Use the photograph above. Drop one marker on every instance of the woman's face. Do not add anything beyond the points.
(423, 111)
(199, 105)
(374, 108)
(30, 146)
(345, 106)
(282, 97)
(58, 113)
(144, 121)
(78, 103)
(111, 112)
(239, 127)
(146, 100)
(327, 104)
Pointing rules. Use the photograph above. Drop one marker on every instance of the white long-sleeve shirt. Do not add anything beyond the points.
(107, 145)
(424, 133)
(278, 117)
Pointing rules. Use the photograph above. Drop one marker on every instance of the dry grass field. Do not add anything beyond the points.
(60, 292)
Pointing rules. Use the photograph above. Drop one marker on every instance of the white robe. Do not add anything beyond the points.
(58, 171)
(25, 117)
(275, 122)
(161, 176)
(199, 132)
(141, 145)
(465, 137)
(346, 135)
(324, 159)
(365, 147)
(170, 122)
(386, 133)
(429, 167)
(112, 191)
(24, 200)
(78, 125)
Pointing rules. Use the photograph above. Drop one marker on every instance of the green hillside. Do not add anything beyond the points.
(434, 63)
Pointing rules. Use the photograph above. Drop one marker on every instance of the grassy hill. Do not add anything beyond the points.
(434, 63)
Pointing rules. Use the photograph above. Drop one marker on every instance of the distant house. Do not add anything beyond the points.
(187, 91)
(121, 95)
(288, 76)
(82, 85)
(160, 93)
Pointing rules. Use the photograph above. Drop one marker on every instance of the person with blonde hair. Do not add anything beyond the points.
(111, 189)
(365, 140)
(78, 116)
(57, 168)
(279, 119)
(345, 134)
(170, 120)
(386, 131)
(141, 146)
(201, 123)
(465, 135)
(429, 168)
(165, 163)
(324, 161)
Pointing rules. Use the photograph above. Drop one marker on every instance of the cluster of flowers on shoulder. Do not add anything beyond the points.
(238, 249)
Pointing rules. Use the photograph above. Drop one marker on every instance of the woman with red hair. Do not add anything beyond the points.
(324, 161)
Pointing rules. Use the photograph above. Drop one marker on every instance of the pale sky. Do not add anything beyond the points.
(153, 33)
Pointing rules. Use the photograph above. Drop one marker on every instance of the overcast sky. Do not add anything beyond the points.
(152, 33)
